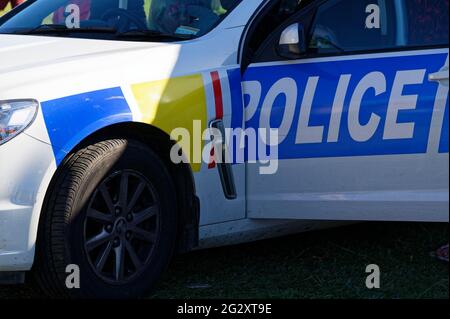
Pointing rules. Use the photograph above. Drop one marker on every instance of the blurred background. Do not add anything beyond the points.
(8, 7)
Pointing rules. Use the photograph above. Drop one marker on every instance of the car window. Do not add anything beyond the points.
(427, 22)
(369, 25)
(191, 18)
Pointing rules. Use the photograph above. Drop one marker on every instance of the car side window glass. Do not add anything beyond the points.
(427, 22)
(342, 26)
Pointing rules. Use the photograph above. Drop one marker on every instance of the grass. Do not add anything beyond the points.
(323, 264)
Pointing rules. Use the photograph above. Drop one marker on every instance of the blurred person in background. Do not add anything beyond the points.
(14, 3)
(193, 17)
(95, 9)
(85, 6)
(442, 253)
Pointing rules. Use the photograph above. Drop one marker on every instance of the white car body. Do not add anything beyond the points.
(305, 193)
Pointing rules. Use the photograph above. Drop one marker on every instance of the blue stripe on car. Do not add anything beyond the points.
(71, 119)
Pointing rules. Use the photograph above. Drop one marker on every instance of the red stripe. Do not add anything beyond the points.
(212, 161)
(217, 94)
(218, 98)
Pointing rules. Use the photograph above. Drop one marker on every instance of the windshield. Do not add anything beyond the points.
(117, 19)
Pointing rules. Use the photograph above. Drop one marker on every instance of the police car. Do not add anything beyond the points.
(92, 91)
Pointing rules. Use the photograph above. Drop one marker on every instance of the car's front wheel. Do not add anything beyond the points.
(111, 214)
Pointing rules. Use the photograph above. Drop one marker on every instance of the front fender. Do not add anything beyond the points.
(69, 120)
(165, 104)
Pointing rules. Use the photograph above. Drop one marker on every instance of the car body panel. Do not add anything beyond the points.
(395, 170)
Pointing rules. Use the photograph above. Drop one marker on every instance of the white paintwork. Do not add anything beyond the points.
(247, 230)
(209, 188)
(25, 162)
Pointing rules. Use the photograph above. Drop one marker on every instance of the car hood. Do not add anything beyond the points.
(44, 67)
(18, 52)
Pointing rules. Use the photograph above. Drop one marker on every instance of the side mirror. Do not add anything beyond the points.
(292, 43)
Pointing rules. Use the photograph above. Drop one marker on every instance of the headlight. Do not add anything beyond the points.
(16, 116)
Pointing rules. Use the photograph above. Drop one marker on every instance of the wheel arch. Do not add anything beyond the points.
(182, 175)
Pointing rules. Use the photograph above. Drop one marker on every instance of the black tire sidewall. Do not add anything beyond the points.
(136, 156)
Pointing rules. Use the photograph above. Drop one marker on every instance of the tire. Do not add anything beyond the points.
(78, 215)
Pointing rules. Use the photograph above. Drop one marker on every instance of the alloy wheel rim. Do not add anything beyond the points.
(121, 226)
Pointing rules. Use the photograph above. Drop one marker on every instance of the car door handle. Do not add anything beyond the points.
(225, 169)
(442, 75)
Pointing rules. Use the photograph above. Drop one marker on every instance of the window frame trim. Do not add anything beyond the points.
(314, 6)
